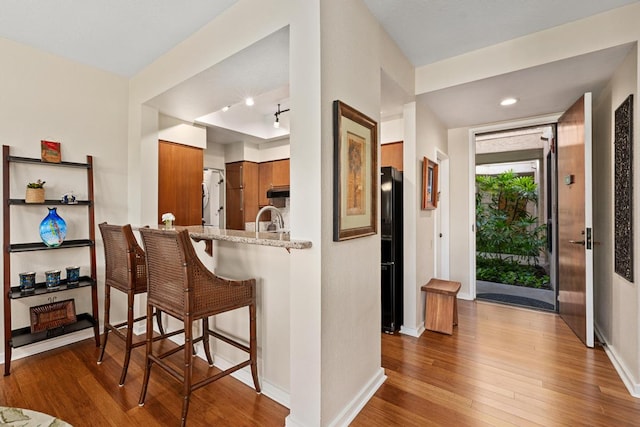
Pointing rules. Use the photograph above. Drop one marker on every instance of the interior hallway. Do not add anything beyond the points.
(501, 366)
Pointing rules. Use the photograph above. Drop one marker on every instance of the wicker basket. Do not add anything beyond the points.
(34, 195)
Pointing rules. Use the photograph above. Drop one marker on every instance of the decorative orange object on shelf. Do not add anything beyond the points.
(50, 151)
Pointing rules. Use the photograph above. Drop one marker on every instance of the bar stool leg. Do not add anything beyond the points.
(253, 347)
(188, 368)
(105, 328)
(205, 340)
(147, 361)
(129, 336)
(158, 316)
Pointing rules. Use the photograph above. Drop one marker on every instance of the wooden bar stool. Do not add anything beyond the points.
(126, 271)
(181, 286)
(441, 312)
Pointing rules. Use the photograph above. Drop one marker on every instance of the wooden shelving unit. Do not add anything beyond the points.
(19, 337)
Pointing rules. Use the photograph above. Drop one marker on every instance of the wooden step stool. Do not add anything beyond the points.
(441, 312)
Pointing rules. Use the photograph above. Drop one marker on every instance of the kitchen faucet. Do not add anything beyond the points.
(279, 220)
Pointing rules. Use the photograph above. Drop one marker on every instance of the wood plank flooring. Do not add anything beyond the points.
(502, 366)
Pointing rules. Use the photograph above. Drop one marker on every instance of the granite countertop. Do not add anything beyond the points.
(277, 239)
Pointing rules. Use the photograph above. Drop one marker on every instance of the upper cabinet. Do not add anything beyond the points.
(242, 194)
(391, 155)
(272, 174)
(265, 180)
(280, 173)
(234, 173)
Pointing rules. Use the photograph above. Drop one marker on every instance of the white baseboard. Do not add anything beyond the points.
(349, 413)
(354, 407)
(50, 344)
(465, 296)
(620, 367)
(243, 375)
(413, 332)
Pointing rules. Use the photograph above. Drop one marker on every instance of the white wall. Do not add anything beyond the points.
(48, 97)
(181, 132)
(350, 269)
(430, 135)
(275, 150)
(391, 131)
(616, 310)
(461, 234)
(214, 156)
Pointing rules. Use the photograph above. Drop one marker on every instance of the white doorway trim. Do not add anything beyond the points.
(441, 224)
(536, 121)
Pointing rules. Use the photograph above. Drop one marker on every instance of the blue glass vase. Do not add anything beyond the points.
(53, 229)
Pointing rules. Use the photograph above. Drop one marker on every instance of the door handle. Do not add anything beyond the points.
(577, 242)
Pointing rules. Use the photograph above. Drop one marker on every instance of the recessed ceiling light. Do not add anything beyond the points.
(249, 101)
(225, 108)
(508, 101)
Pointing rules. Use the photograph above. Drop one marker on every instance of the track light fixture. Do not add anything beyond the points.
(276, 123)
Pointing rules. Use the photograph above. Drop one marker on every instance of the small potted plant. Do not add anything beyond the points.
(35, 192)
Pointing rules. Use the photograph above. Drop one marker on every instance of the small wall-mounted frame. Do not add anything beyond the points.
(429, 184)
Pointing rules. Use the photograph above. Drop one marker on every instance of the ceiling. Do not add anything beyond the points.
(260, 71)
(543, 90)
(123, 37)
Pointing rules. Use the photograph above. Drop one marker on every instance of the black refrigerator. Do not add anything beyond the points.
(391, 235)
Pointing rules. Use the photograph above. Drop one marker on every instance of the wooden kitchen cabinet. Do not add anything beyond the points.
(280, 173)
(264, 184)
(272, 174)
(180, 182)
(242, 194)
(391, 155)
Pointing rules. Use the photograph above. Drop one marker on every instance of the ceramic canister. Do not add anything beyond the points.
(27, 281)
(52, 278)
(73, 275)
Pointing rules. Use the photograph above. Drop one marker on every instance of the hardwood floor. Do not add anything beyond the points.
(502, 366)
(67, 383)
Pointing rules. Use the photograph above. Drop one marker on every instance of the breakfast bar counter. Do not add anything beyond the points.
(246, 254)
(277, 239)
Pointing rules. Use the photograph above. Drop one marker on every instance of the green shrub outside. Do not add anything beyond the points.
(508, 238)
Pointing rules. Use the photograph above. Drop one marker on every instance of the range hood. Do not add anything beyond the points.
(278, 192)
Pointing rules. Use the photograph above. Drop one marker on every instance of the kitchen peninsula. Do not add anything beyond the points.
(278, 239)
(247, 254)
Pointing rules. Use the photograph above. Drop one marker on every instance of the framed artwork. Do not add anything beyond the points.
(355, 173)
(50, 151)
(429, 184)
(623, 175)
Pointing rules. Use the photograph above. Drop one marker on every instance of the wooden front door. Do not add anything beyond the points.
(575, 246)
(180, 182)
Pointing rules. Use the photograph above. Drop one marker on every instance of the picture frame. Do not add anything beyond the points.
(623, 190)
(355, 173)
(50, 151)
(429, 184)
